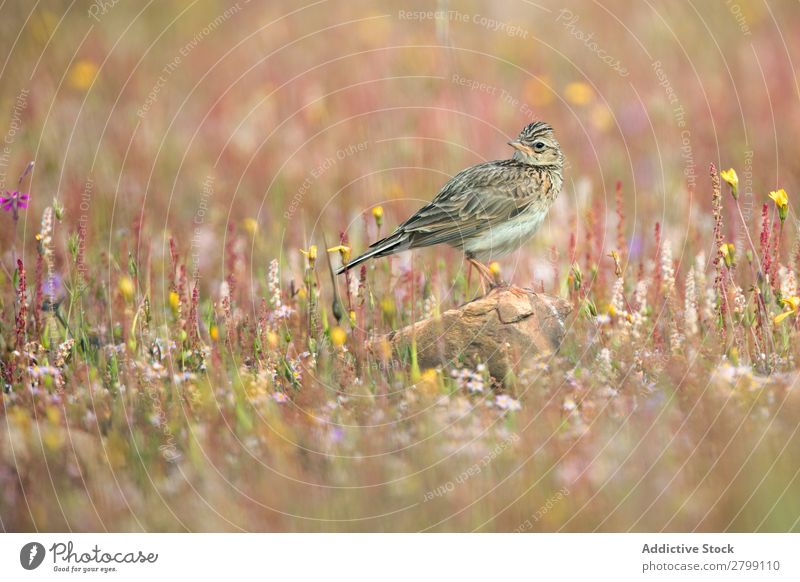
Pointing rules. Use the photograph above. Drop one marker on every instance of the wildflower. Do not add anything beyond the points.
(388, 308)
(45, 235)
(174, 301)
(494, 269)
(13, 201)
(283, 312)
(344, 252)
(213, 332)
(781, 200)
(617, 306)
(578, 93)
(638, 318)
(272, 339)
(739, 300)
(793, 303)
(126, 288)
(274, 284)
(691, 316)
(601, 117)
(311, 255)
(728, 254)
(280, 397)
(604, 365)
(338, 336)
(468, 380)
(505, 402)
(225, 294)
(250, 225)
(377, 214)
(788, 282)
(733, 181)
(667, 268)
(429, 381)
(82, 74)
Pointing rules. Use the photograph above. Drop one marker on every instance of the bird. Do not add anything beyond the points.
(487, 210)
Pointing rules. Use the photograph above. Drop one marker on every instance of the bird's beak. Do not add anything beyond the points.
(520, 147)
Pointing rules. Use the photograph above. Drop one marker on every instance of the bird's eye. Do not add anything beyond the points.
(539, 146)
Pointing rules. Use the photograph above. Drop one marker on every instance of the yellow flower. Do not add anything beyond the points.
(728, 253)
(126, 288)
(388, 308)
(344, 252)
(20, 418)
(338, 336)
(494, 269)
(793, 303)
(311, 254)
(377, 214)
(53, 415)
(52, 438)
(429, 382)
(250, 225)
(578, 93)
(82, 74)
(732, 179)
(213, 331)
(781, 200)
(174, 301)
(780, 197)
(272, 339)
(601, 117)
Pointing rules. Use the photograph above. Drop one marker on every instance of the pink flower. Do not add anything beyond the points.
(13, 201)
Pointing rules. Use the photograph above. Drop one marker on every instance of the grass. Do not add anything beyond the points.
(172, 361)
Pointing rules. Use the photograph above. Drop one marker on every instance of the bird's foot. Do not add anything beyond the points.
(510, 287)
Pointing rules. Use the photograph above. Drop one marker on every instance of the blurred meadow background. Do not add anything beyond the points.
(174, 357)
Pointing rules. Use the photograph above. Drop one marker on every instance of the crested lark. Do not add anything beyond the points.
(487, 210)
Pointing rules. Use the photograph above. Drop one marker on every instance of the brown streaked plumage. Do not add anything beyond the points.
(487, 210)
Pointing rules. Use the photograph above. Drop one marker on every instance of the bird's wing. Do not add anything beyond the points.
(474, 199)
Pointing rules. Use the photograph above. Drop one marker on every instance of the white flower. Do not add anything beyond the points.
(505, 402)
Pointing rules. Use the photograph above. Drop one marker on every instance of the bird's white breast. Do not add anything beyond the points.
(505, 237)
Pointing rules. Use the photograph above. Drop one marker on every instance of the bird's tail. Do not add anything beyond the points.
(393, 243)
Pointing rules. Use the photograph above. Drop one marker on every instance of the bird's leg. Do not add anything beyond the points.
(494, 281)
(485, 274)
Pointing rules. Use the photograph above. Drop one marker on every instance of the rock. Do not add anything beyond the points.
(503, 329)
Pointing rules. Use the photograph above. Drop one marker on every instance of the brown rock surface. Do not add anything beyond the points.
(503, 329)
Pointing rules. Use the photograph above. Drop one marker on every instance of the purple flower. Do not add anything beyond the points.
(13, 201)
(336, 434)
(53, 287)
